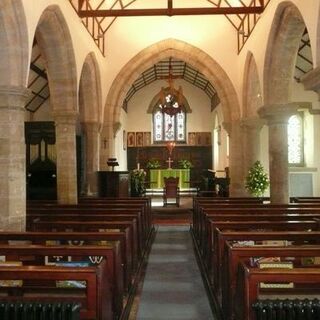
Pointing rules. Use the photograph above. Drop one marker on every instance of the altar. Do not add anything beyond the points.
(157, 175)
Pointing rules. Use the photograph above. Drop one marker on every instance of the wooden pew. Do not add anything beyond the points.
(109, 215)
(111, 254)
(222, 236)
(93, 226)
(208, 248)
(205, 225)
(74, 238)
(243, 208)
(93, 218)
(262, 226)
(235, 254)
(94, 299)
(127, 205)
(249, 279)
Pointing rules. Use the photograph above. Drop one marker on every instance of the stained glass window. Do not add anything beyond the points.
(295, 140)
(169, 128)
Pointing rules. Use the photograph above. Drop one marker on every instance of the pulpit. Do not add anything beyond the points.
(113, 184)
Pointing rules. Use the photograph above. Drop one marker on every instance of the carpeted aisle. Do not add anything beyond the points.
(173, 288)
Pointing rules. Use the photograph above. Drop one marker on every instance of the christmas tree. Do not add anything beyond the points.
(257, 180)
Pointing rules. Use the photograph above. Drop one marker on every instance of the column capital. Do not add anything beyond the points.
(13, 97)
(253, 123)
(311, 80)
(279, 113)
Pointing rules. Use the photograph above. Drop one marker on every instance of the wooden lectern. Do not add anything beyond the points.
(113, 184)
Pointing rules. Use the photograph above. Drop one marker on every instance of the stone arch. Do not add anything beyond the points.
(14, 53)
(285, 35)
(90, 100)
(163, 50)
(54, 39)
(252, 96)
(55, 43)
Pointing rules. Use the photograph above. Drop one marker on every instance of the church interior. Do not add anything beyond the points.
(159, 159)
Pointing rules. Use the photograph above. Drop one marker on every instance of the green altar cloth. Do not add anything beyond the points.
(157, 175)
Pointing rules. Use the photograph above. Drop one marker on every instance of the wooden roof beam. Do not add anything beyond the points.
(169, 11)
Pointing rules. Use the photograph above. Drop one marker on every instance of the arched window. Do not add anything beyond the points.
(169, 127)
(295, 140)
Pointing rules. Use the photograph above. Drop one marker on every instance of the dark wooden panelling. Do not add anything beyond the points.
(201, 157)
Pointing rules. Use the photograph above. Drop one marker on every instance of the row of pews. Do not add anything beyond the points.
(90, 254)
(259, 260)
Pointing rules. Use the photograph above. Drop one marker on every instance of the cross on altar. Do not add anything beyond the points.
(169, 163)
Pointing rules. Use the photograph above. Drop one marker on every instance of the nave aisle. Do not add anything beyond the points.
(173, 288)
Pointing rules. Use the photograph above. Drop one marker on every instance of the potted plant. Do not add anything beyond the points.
(137, 178)
(257, 180)
(153, 164)
(185, 164)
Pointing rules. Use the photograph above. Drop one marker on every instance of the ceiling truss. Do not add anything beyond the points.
(99, 15)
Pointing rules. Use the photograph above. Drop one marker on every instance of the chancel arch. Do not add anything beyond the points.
(193, 56)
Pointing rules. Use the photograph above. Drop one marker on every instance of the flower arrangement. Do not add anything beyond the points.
(138, 177)
(185, 164)
(153, 164)
(257, 180)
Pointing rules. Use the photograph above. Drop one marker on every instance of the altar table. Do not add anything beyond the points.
(157, 177)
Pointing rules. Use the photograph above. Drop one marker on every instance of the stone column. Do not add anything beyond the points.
(251, 141)
(66, 157)
(277, 117)
(12, 158)
(235, 132)
(92, 157)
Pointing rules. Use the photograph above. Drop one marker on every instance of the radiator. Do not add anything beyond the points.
(39, 311)
(287, 309)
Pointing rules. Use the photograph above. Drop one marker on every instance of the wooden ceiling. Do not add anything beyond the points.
(99, 15)
(179, 70)
(38, 80)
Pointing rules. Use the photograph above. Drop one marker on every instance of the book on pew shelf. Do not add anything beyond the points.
(53, 260)
(243, 243)
(255, 261)
(109, 230)
(72, 283)
(275, 243)
(310, 261)
(264, 285)
(11, 283)
(264, 263)
(275, 264)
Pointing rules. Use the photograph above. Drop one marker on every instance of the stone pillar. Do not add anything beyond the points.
(12, 158)
(235, 132)
(66, 157)
(251, 141)
(277, 117)
(91, 156)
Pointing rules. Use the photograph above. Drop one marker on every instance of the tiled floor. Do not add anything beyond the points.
(173, 288)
